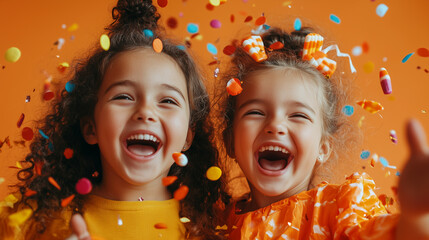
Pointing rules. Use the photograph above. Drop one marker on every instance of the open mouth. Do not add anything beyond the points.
(273, 158)
(143, 144)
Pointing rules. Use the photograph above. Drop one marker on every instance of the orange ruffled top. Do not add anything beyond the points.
(348, 211)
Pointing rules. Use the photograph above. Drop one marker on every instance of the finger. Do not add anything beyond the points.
(78, 226)
(416, 138)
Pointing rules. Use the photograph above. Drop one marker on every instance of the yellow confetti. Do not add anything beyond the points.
(73, 27)
(9, 201)
(215, 2)
(18, 165)
(224, 227)
(361, 121)
(287, 3)
(370, 106)
(368, 67)
(184, 220)
(105, 42)
(2, 180)
(12, 54)
(213, 173)
(199, 37)
(19, 217)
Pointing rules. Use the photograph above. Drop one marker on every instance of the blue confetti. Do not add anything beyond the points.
(335, 19)
(407, 57)
(365, 154)
(348, 110)
(297, 25)
(398, 173)
(51, 146)
(266, 27)
(192, 28)
(69, 86)
(381, 9)
(384, 162)
(43, 134)
(148, 33)
(181, 47)
(212, 48)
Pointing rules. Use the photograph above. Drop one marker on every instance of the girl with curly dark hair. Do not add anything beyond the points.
(133, 106)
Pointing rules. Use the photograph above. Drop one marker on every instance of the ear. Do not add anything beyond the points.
(189, 139)
(87, 127)
(228, 139)
(324, 151)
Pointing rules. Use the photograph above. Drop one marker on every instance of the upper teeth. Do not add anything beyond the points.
(273, 148)
(143, 137)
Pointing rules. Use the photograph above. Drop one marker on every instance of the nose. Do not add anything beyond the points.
(144, 112)
(276, 126)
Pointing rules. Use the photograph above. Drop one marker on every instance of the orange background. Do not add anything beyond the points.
(34, 27)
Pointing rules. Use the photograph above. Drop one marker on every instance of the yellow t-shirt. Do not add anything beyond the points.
(108, 219)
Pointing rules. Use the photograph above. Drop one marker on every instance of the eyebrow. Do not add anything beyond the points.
(171, 87)
(294, 103)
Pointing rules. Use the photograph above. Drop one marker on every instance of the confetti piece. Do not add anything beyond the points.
(43, 134)
(180, 159)
(423, 52)
(2, 180)
(214, 173)
(83, 186)
(38, 168)
(260, 21)
(172, 22)
(364, 155)
(66, 201)
(229, 50)
(277, 46)
(385, 82)
(335, 19)
(211, 48)
(160, 226)
(232, 18)
(365, 47)
(27, 134)
(157, 45)
(210, 7)
(69, 86)
(181, 192)
(166, 181)
(18, 218)
(60, 42)
(368, 67)
(148, 33)
(9, 201)
(162, 3)
(224, 227)
(215, 23)
(297, 25)
(370, 106)
(140, 199)
(29, 193)
(393, 136)
(12, 54)
(407, 57)
(381, 9)
(192, 28)
(348, 110)
(54, 183)
(357, 51)
(120, 221)
(254, 46)
(185, 220)
(248, 19)
(181, 47)
(398, 173)
(27, 99)
(105, 42)
(63, 66)
(20, 120)
(214, 2)
(233, 87)
(73, 27)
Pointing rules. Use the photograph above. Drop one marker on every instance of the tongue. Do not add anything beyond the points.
(142, 150)
(272, 165)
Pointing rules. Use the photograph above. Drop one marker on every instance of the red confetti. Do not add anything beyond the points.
(194, 35)
(48, 95)
(83, 186)
(54, 183)
(6, 140)
(68, 153)
(27, 133)
(209, 7)
(232, 18)
(229, 50)
(277, 45)
(161, 226)
(66, 201)
(213, 62)
(260, 21)
(248, 19)
(20, 120)
(169, 180)
(38, 168)
(365, 47)
(162, 3)
(181, 192)
(172, 23)
(30, 193)
(423, 52)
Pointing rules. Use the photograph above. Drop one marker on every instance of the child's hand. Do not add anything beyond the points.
(78, 226)
(414, 187)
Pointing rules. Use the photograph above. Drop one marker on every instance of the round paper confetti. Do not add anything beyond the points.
(215, 23)
(348, 110)
(192, 28)
(423, 52)
(260, 21)
(12, 54)
(381, 9)
(69, 86)
(210, 7)
(229, 50)
(27, 134)
(214, 2)
(83, 186)
(364, 154)
(162, 3)
(213, 173)
(383, 162)
(357, 51)
(105, 42)
(157, 45)
(148, 33)
(212, 48)
(335, 19)
(172, 23)
(368, 67)
(407, 57)
(68, 153)
(297, 24)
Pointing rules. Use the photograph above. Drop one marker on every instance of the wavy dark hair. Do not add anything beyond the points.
(334, 94)
(62, 126)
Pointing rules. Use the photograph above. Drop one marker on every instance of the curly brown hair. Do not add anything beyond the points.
(336, 127)
(63, 130)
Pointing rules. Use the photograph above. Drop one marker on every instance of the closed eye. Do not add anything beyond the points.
(122, 97)
(170, 101)
(300, 115)
(254, 112)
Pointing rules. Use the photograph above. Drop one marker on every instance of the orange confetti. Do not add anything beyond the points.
(54, 183)
(423, 52)
(157, 45)
(66, 201)
(370, 106)
(260, 21)
(181, 192)
(30, 193)
(229, 50)
(168, 180)
(233, 87)
(232, 18)
(38, 168)
(248, 19)
(365, 47)
(161, 226)
(68, 153)
(180, 159)
(277, 46)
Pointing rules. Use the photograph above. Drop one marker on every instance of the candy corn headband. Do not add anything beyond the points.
(311, 52)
